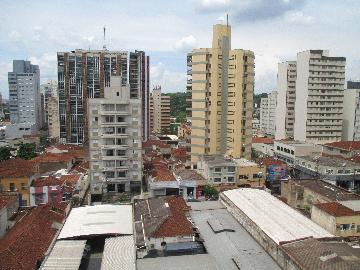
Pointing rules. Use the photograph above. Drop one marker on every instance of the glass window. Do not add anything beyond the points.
(231, 169)
(217, 179)
(231, 179)
(218, 169)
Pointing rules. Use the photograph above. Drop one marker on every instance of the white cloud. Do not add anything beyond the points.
(15, 35)
(48, 65)
(5, 67)
(186, 44)
(170, 81)
(298, 17)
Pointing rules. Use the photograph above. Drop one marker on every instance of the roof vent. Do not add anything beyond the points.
(328, 257)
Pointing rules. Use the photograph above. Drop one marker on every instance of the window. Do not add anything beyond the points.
(110, 187)
(231, 179)
(121, 174)
(39, 198)
(217, 179)
(121, 130)
(231, 169)
(121, 153)
(330, 171)
(109, 119)
(340, 171)
(343, 227)
(346, 171)
(12, 187)
(23, 186)
(218, 169)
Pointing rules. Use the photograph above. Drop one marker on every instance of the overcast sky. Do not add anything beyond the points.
(167, 29)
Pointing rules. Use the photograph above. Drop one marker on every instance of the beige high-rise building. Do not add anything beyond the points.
(52, 112)
(159, 111)
(221, 84)
(319, 97)
(285, 107)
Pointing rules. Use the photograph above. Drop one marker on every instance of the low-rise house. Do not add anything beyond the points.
(54, 190)
(191, 184)
(161, 181)
(249, 173)
(49, 162)
(24, 246)
(184, 131)
(305, 193)
(346, 149)
(287, 151)
(77, 151)
(337, 218)
(9, 204)
(218, 170)
(162, 226)
(341, 172)
(263, 145)
(156, 145)
(16, 175)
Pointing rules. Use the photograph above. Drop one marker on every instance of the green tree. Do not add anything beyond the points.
(210, 191)
(5, 153)
(177, 103)
(181, 117)
(26, 151)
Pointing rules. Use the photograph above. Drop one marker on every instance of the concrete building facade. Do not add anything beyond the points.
(24, 93)
(268, 113)
(351, 112)
(159, 112)
(285, 105)
(87, 74)
(221, 83)
(115, 135)
(52, 113)
(319, 97)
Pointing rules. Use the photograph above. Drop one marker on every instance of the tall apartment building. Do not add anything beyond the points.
(285, 104)
(48, 89)
(159, 111)
(24, 94)
(115, 134)
(86, 74)
(267, 113)
(52, 112)
(1, 106)
(319, 97)
(351, 112)
(221, 84)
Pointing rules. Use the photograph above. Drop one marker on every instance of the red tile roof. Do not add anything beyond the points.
(162, 175)
(7, 199)
(63, 147)
(49, 157)
(26, 243)
(345, 145)
(48, 181)
(157, 143)
(336, 209)
(16, 167)
(70, 179)
(179, 153)
(82, 167)
(176, 224)
(270, 162)
(262, 140)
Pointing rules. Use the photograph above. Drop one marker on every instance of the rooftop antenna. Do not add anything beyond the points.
(227, 19)
(104, 46)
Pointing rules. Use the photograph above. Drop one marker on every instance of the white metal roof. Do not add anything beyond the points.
(278, 220)
(98, 220)
(65, 255)
(119, 253)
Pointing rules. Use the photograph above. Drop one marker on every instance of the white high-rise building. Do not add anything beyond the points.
(351, 112)
(285, 107)
(24, 94)
(115, 138)
(319, 97)
(267, 113)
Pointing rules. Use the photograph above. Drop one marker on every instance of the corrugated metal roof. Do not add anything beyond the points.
(119, 253)
(278, 220)
(65, 255)
(98, 220)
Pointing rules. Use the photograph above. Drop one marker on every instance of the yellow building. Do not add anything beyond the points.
(221, 84)
(16, 175)
(249, 173)
(159, 112)
(337, 218)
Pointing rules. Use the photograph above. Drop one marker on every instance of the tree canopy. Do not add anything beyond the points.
(5, 153)
(178, 105)
(27, 151)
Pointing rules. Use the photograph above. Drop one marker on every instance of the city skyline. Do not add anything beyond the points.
(275, 31)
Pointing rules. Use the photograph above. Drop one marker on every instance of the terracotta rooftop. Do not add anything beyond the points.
(16, 167)
(26, 243)
(345, 145)
(262, 140)
(63, 147)
(46, 182)
(157, 143)
(7, 199)
(162, 217)
(70, 179)
(82, 167)
(270, 162)
(49, 157)
(336, 209)
(179, 153)
(161, 174)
